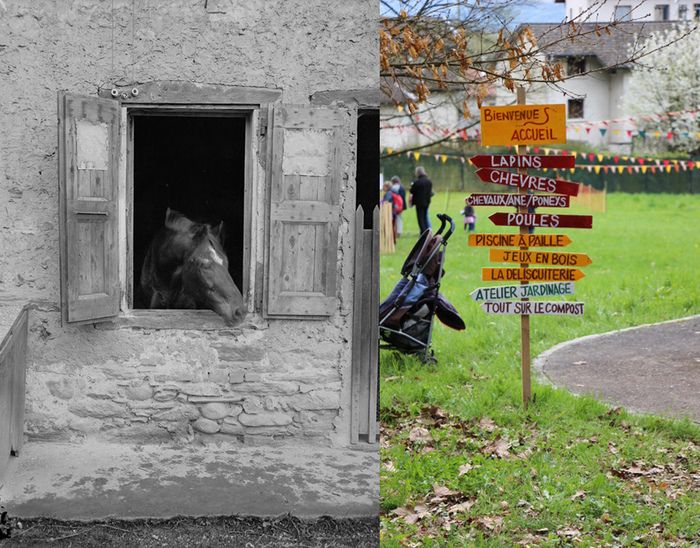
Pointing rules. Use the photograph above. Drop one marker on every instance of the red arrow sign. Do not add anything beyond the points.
(542, 219)
(529, 182)
(522, 161)
(518, 200)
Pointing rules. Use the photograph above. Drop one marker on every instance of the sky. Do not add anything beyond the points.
(529, 11)
(541, 11)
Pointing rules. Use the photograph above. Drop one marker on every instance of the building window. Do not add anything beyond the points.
(575, 65)
(683, 12)
(661, 12)
(575, 108)
(696, 11)
(623, 13)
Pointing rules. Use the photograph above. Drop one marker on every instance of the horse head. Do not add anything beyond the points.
(193, 264)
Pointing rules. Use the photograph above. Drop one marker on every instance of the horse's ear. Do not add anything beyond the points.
(174, 220)
(220, 232)
(170, 217)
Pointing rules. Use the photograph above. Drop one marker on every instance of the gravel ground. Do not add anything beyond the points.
(246, 532)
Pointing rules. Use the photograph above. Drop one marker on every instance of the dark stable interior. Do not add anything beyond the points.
(367, 169)
(195, 165)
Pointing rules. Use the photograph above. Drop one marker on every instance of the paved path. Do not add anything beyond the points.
(650, 369)
(98, 480)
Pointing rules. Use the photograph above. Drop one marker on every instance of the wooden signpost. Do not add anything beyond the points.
(546, 220)
(519, 240)
(523, 125)
(538, 257)
(518, 200)
(532, 161)
(524, 181)
(559, 308)
(525, 291)
(531, 274)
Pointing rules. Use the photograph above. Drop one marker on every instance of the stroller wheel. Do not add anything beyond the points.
(428, 357)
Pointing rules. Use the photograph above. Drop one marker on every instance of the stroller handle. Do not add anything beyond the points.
(444, 219)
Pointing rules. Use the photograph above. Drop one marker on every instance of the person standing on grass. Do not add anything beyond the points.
(398, 189)
(421, 192)
(394, 199)
(469, 217)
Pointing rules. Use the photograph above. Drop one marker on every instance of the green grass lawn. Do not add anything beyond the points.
(463, 463)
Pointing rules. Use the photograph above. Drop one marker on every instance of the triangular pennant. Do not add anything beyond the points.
(603, 130)
(629, 169)
(644, 169)
(620, 169)
(596, 169)
(600, 157)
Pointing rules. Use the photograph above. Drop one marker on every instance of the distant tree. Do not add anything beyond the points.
(468, 47)
(664, 90)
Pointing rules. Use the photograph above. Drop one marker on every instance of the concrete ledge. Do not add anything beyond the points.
(650, 368)
(100, 480)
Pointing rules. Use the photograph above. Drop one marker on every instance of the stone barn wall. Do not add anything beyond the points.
(268, 380)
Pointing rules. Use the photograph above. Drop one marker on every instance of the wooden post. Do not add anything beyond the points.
(524, 318)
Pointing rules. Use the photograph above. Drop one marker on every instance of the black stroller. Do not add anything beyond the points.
(406, 315)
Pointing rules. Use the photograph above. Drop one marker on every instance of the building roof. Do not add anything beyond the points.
(611, 49)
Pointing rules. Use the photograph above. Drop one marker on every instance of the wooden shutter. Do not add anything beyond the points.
(306, 173)
(88, 150)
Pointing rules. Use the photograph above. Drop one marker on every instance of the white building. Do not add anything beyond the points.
(644, 10)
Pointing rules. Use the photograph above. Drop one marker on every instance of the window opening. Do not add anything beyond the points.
(575, 65)
(367, 167)
(195, 165)
(661, 12)
(575, 108)
(623, 13)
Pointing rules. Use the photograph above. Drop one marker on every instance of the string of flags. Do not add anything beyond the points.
(607, 164)
(473, 134)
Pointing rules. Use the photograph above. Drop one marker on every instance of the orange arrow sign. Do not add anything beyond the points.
(538, 257)
(531, 274)
(519, 240)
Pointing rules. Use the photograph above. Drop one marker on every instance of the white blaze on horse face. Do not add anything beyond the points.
(214, 255)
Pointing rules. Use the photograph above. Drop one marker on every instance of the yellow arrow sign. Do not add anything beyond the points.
(519, 240)
(523, 125)
(531, 274)
(538, 257)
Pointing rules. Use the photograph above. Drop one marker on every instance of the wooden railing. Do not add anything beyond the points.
(365, 338)
(13, 360)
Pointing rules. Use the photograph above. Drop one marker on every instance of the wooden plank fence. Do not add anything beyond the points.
(13, 360)
(365, 340)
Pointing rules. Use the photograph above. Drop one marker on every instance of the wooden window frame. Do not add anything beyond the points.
(187, 99)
